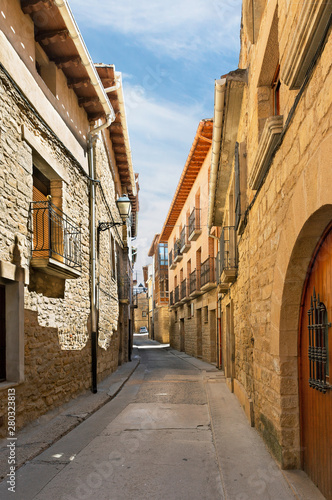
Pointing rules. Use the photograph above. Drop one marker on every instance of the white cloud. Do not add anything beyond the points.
(161, 134)
(176, 28)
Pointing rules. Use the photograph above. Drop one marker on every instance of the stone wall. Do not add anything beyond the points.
(161, 324)
(196, 315)
(294, 190)
(56, 311)
(141, 317)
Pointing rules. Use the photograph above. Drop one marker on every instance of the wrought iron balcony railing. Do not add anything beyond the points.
(55, 235)
(171, 299)
(227, 262)
(194, 224)
(193, 282)
(207, 271)
(176, 294)
(183, 289)
(228, 249)
(177, 251)
(170, 258)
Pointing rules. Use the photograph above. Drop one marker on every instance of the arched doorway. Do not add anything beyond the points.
(315, 368)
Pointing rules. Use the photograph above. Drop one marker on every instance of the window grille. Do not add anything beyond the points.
(318, 326)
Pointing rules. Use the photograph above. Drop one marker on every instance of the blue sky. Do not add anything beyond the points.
(169, 54)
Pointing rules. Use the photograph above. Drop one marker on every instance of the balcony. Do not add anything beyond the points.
(228, 259)
(177, 252)
(177, 294)
(171, 263)
(184, 292)
(208, 280)
(161, 289)
(184, 241)
(194, 284)
(194, 224)
(56, 245)
(162, 297)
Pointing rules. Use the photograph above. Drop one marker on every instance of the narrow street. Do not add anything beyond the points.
(174, 431)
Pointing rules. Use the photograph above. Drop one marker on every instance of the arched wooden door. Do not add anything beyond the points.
(315, 365)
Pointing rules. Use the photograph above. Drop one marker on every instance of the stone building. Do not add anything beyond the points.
(160, 294)
(192, 253)
(141, 311)
(270, 195)
(64, 161)
(148, 280)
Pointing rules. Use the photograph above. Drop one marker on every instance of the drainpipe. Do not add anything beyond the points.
(92, 137)
(219, 100)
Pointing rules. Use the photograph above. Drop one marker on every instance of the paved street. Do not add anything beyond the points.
(174, 431)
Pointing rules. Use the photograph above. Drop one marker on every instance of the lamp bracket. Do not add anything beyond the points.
(102, 226)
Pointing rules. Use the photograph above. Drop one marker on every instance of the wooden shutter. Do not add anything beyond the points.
(237, 187)
(41, 236)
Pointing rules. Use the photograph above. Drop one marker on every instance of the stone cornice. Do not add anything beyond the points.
(270, 136)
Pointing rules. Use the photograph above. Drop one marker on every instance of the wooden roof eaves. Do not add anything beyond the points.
(206, 126)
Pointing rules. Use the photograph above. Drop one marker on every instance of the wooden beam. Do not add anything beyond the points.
(88, 101)
(95, 116)
(66, 62)
(76, 83)
(30, 6)
(52, 36)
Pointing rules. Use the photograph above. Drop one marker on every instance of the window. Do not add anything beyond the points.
(276, 92)
(312, 25)
(240, 188)
(163, 254)
(11, 323)
(143, 314)
(206, 314)
(318, 329)
(56, 245)
(112, 256)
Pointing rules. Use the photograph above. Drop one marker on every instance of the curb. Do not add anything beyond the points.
(39, 435)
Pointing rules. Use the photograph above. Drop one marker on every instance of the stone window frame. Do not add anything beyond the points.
(240, 185)
(252, 15)
(13, 278)
(206, 314)
(113, 257)
(56, 173)
(308, 34)
(270, 125)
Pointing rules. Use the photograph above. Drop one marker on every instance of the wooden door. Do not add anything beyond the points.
(41, 230)
(316, 369)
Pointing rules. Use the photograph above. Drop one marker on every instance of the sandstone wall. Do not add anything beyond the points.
(55, 309)
(294, 189)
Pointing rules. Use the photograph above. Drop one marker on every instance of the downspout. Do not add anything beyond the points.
(92, 137)
(219, 100)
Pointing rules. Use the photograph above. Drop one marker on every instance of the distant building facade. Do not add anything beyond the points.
(192, 254)
(66, 320)
(270, 196)
(160, 290)
(141, 311)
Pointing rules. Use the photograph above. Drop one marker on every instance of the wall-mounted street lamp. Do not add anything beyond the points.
(124, 207)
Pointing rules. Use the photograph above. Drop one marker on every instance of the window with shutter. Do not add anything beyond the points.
(237, 187)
